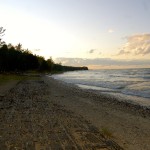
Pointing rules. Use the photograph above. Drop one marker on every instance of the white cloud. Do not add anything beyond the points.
(111, 31)
(37, 50)
(136, 45)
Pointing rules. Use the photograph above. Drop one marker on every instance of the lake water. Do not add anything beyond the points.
(132, 83)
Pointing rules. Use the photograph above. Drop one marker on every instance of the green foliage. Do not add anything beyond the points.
(7, 77)
(106, 132)
(4, 78)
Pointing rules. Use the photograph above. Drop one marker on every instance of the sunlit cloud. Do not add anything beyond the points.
(136, 45)
(123, 52)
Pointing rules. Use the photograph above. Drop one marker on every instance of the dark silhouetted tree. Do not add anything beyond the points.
(18, 47)
(2, 30)
(50, 63)
(16, 59)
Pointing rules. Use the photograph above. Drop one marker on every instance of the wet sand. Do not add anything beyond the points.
(47, 114)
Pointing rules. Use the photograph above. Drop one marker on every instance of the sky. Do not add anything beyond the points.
(95, 33)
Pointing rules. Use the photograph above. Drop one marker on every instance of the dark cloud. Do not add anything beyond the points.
(94, 51)
(101, 62)
(91, 51)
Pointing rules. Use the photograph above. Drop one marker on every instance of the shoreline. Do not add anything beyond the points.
(128, 123)
(121, 84)
(132, 105)
(44, 113)
(133, 99)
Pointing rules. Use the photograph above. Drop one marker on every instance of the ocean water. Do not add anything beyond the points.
(131, 83)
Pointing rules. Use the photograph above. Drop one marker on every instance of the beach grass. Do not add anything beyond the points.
(6, 78)
(106, 132)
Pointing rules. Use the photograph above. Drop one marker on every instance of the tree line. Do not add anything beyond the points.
(17, 59)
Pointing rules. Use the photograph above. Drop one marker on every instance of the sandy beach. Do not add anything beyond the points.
(45, 114)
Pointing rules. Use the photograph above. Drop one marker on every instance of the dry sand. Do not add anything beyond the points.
(47, 114)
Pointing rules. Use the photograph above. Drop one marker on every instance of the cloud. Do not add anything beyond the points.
(103, 62)
(37, 50)
(136, 45)
(91, 51)
(123, 52)
(111, 31)
(94, 51)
